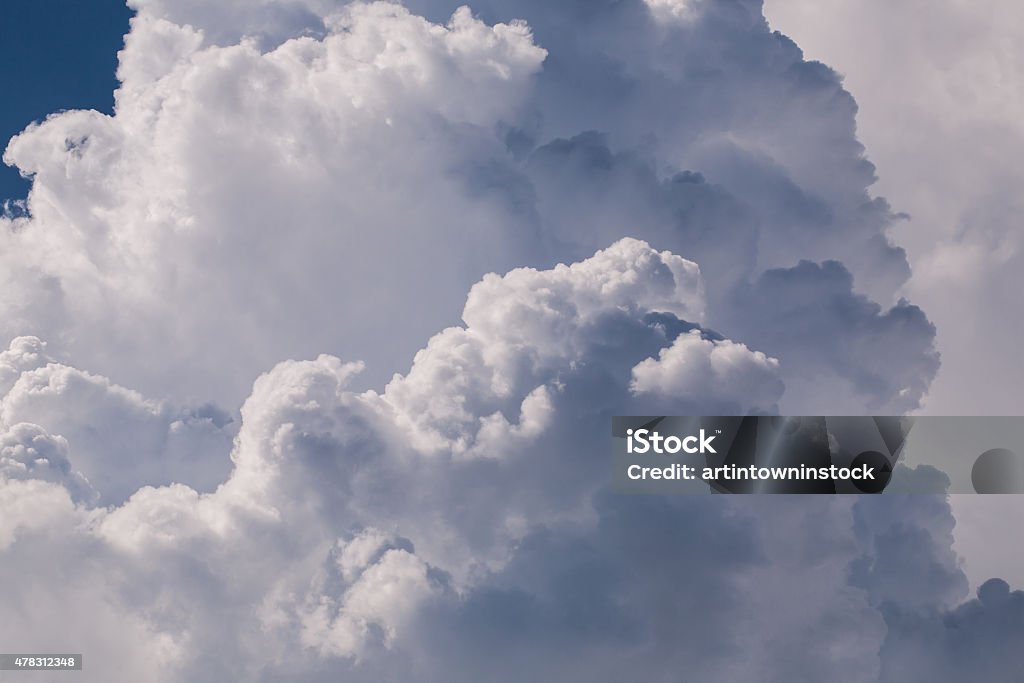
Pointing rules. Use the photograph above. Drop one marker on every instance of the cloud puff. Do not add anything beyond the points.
(526, 330)
(23, 354)
(672, 9)
(727, 369)
(28, 452)
(868, 352)
(121, 440)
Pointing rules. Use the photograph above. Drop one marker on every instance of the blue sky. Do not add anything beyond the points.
(56, 54)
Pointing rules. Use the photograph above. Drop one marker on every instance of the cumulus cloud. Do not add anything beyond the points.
(352, 493)
(940, 111)
(315, 179)
(458, 523)
(276, 178)
(837, 341)
(727, 369)
(977, 639)
(122, 440)
(671, 9)
(24, 353)
(28, 452)
(240, 203)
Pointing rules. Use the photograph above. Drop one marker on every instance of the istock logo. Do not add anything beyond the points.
(643, 441)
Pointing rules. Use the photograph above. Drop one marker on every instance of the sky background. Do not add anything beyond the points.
(312, 339)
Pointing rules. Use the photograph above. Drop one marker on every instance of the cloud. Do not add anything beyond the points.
(458, 523)
(975, 639)
(27, 452)
(352, 493)
(122, 440)
(940, 111)
(721, 366)
(672, 9)
(267, 189)
(24, 353)
(870, 352)
(306, 179)
(281, 195)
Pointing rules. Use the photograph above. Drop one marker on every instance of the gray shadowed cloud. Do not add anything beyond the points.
(949, 72)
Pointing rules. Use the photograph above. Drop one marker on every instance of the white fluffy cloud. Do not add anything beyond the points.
(459, 521)
(24, 353)
(340, 520)
(28, 452)
(726, 368)
(245, 206)
(121, 440)
(315, 179)
(300, 177)
(672, 9)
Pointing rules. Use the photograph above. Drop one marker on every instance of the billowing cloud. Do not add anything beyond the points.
(24, 353)
(459, 522)
(727, 370)
(848, 342)
(372, 507)
(27, 452)
(977, 639)
(240, 203)
(308, 176)
(310, 179)
(940, 102)
(122, 440)
(940, 107)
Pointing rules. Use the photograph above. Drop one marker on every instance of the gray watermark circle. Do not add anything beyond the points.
(998, 470)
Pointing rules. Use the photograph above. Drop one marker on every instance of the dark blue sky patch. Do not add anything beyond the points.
(54, 55)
